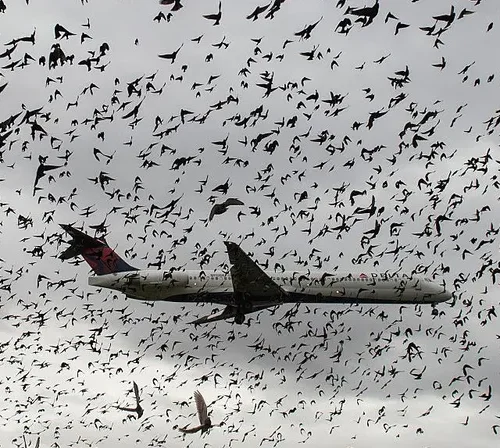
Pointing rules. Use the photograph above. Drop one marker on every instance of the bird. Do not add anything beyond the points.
(257, 11)
(138, 409)
(159, 17)
(83, 37)
(41, 171)
(368, 13)
(306, 32)
(441, 64)
(177, 4)
(215, 17)
(219, 209)
(400, 26)
(205, 422)
(448, 18)
(172, 56)
(222, 188)
(60, 32)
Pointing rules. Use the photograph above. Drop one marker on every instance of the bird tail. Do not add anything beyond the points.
(96, 252)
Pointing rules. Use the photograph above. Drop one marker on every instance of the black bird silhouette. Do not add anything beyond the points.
(61, 32)
(219, 209)
(367, 13)
(56, 55)
(171, 56)
(222, 188)
(177, 4)
(400, 26)
(274, 9)
(138, 409)
(84, 36)
(159, 17)
(441, 64)
(306, 32)
(41, 171)
(257, 11)
(448, 18)
(8, 52)
(215, 17)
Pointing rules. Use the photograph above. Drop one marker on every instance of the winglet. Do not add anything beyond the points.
(232, 250)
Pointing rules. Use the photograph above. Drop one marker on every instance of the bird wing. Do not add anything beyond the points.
(201, 406)
(49, 167)
(136, 392)
(166, 56)
(214, 211)
(232, 201)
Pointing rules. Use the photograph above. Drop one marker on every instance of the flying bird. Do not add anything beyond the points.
(215, 17)
(172, 56)
(257, 11)
(219, 209)
(177, 4)
(138, 409)
(41, 171)
(205, 422)
(60, 32)
(222, 188)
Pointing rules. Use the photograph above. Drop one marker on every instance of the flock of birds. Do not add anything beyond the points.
(278, 141)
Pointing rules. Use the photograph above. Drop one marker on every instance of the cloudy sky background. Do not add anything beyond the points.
(70, 352)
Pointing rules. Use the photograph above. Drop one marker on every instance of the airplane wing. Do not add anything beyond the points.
(253, 289)
(248, 278)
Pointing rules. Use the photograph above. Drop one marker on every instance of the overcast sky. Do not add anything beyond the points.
(333, 375)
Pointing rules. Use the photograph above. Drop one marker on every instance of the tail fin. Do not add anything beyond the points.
(96, 252)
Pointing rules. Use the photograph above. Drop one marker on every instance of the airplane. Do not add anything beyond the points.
(245, 288)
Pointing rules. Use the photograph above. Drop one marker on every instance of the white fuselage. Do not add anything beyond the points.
(307, 287)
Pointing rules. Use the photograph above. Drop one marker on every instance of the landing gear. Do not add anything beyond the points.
(239, 318)
(243, 306)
